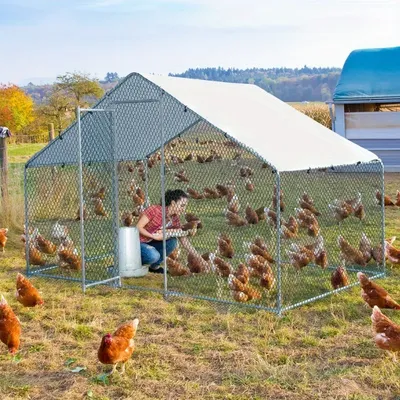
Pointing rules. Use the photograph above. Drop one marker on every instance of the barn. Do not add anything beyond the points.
(367, 103)
(213, 140)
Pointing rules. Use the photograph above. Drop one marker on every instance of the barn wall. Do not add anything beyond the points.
(378, 132)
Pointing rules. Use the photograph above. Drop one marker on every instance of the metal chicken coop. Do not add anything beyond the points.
(288, 209)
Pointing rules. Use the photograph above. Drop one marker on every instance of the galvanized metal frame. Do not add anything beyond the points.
(280, 307)
(81, 200)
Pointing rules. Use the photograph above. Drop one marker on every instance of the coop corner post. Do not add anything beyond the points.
(382, 171)
(116, 199)
(28, 268)
(161, 122)
(78, 116)
(278, 243)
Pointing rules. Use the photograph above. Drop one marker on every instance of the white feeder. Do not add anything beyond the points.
(130, 260)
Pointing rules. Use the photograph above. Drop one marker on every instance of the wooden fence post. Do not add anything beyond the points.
(51, 132)
(4, 176)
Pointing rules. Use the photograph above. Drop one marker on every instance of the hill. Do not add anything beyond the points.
(288, 84)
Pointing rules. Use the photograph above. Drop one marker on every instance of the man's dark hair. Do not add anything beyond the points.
(174, 195)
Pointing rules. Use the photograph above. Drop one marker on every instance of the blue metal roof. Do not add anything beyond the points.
(370, 75)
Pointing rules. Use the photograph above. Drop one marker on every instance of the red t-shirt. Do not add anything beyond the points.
(154, 214)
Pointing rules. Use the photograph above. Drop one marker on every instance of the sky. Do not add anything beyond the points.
(40, 39)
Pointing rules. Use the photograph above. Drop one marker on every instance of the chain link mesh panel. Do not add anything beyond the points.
(344, 230)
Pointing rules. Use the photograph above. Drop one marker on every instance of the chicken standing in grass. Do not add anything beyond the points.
(26, 293)
(3, 238)
(118, 347)
(375, 295)
(10, 327)
(387, 333)
(386, 200)
(339, 278)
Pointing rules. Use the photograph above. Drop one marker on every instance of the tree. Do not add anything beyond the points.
(80, 87)
(57, 109)
(111, 77)
(16, 108)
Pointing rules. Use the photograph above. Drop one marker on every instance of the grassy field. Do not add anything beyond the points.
(196, 350)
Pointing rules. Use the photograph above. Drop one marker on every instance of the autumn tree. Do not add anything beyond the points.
(16, 108)
(80, 87)
(58, 109)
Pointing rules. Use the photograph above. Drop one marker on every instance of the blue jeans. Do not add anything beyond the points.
(152, 252)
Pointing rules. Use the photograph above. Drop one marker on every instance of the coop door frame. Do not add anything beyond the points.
(116, 279)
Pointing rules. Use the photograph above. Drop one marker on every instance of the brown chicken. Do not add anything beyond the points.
(392, 253)
(118, 347)
(365, 248)
(257, 265)
(286, 233)
(340, 210)
(231, 193)
(375, 295)
(189, 226)
(305, 217)
(10, 327)
(234, 205)
(313, 229)
(189, 157)
(306, 206)
(220, 266)
(307, 198)
(3, 238)
(45, 246)
(292, 225)
(35, 257)
(196, 263)
(250, 215)
(245, 172)
(200, 159)
(181, 177)
(242, 273)
(127, 219)
(235, 219)
(239, 296)
(359, 212)
(271, 217)
(100, 194)
(225, 247)
(69, 258)
(249, 185)
(189, 217)
(175, 268)
(194, 194)
(321, 259)
(339, 278)
(350, 254)
(174, 255)
(99, 208)
(378, 254)
(387, 333)
(259, 248)
(387, 200)
(300, 258)
(222, 189)
(267, 280)
(237, 286)
(26, 293)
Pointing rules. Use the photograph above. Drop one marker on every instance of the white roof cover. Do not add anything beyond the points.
(283, 136)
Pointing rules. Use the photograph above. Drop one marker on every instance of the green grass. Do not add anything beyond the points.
(20, 153)
(188, 349)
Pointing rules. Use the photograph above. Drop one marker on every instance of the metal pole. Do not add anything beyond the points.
(278, 243)
(28, 271)
(116, 199)
(383, 215)
(161, 121)
(146, 182)
(78, 115)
